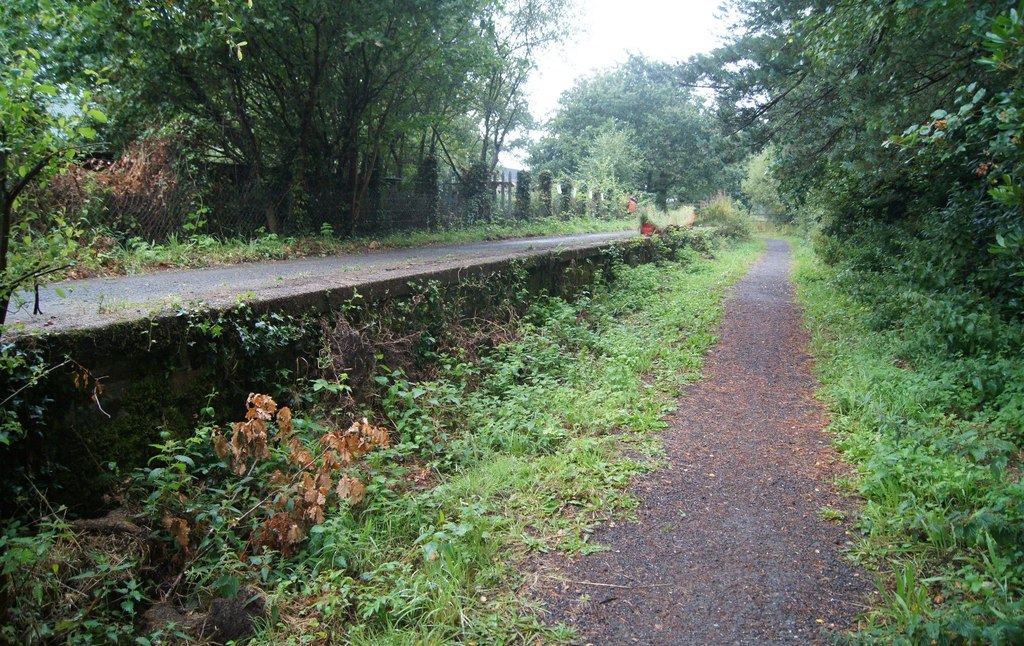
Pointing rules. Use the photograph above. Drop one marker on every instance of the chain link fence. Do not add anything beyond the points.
(146, 195)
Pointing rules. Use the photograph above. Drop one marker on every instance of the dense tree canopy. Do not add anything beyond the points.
(326, 93)
(887, 113)
(307, 104)
(679, 150)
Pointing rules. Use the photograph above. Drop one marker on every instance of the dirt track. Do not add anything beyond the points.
(728, 546)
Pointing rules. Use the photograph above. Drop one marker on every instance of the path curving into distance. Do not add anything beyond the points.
(728, 547)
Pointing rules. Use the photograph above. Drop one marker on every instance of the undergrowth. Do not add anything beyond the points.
(408, 527)
(925, 383)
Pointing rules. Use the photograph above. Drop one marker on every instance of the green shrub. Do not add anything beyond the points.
(723, 214)
(927, 394)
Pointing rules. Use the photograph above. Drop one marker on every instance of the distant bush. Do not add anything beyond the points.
(723, 213)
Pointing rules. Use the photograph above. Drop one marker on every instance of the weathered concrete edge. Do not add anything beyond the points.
(123, 334)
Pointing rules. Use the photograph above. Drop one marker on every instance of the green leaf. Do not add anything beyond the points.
(96, 115)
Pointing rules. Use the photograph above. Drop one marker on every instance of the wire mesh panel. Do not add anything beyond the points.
(145, 194)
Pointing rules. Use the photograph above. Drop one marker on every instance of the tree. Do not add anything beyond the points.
(323, 92)
(42, 125)
(677, 138)
(761, 189)
(327, 92)
(513, 37)
(893, 116)
(613, 163)
(830, 82)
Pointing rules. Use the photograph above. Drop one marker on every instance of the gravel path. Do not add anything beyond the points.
(728, 546)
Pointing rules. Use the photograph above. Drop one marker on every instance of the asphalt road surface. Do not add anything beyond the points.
(99, 302)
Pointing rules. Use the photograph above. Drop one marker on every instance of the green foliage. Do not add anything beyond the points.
(313, 100)
(513, 32)
(483, 461)
(723, 214)
(566, 198)
(638, 125)
(918, 307)
(927, 396)
(936, 82)
(524, 205)
(544, 186)
(761, 190)
(61, 588)
(612, 164)
(474, 189)
(44, 123)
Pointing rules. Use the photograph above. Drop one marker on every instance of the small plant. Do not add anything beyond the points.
(831, 515)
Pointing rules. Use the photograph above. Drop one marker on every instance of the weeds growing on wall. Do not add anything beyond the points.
(924, 379)
(406, 527)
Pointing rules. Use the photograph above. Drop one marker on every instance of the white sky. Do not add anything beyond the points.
(610, 30)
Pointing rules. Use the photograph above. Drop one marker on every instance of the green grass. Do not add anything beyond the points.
(525, 453)
(932, 422)
(135, 255)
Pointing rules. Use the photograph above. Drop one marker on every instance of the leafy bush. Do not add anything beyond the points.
(928, 397)
(723, 214)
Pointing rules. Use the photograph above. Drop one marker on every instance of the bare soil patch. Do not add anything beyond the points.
(728, 546)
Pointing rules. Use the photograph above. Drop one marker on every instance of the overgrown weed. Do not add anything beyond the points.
(927, 395)
(415, 536)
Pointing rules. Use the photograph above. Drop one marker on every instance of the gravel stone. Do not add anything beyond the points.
(728, 547)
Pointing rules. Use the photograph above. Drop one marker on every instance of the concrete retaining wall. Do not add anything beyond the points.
(156, 374)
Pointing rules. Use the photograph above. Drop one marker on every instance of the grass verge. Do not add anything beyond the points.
(928, 405)
(105, 257)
